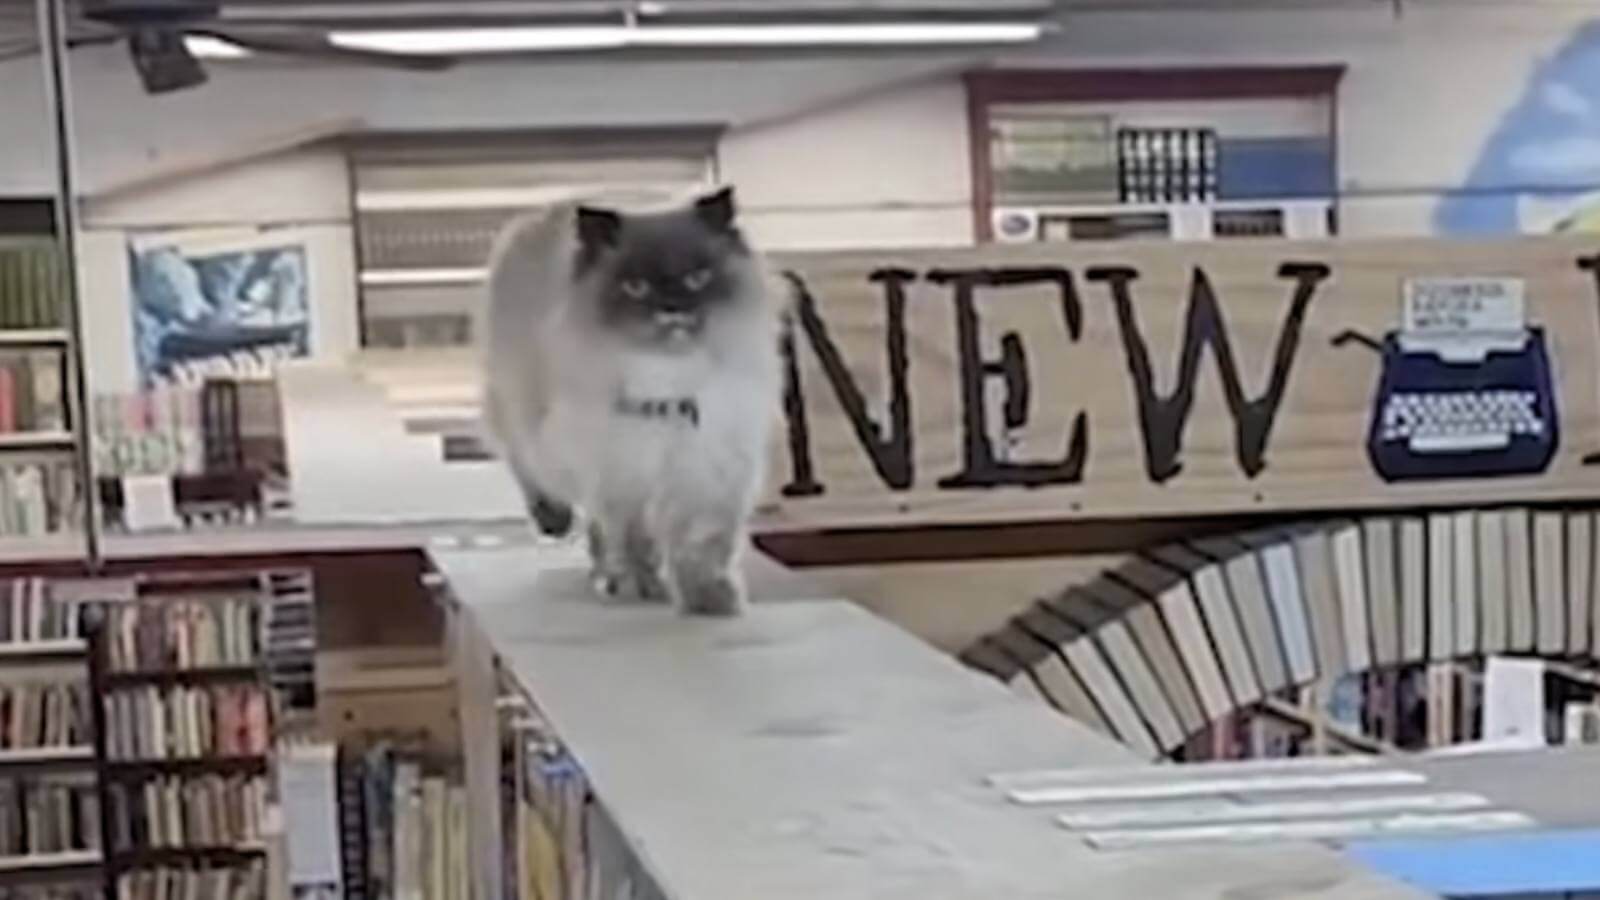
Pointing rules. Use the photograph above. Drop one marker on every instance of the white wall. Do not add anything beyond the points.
(890, 169)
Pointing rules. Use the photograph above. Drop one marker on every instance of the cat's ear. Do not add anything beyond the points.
(598, 227)
(717, 211)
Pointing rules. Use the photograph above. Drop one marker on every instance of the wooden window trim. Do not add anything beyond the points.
(988, 87)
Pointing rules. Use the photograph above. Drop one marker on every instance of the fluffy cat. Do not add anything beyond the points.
(632, 372)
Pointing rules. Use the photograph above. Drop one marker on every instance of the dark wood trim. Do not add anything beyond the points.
(956, 543)
(981, 164)
(1191, 83)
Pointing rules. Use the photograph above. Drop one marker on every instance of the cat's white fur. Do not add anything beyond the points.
(552, 376)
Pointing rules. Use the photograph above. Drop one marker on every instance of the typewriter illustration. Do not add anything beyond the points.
(1463, 409)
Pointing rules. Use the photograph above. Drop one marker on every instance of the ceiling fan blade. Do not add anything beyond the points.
(316, 47)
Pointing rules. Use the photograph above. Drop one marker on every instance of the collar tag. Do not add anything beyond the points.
(662, 409)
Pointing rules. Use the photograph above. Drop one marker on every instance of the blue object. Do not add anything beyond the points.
(1420, 383)
(1274, 168)
(1544, 145)
(1549, 862)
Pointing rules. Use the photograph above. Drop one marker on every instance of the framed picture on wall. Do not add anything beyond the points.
(209, 305)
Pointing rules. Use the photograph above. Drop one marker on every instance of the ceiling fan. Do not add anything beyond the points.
(158, 34)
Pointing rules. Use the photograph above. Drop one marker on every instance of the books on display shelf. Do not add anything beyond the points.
(42, 714)
(46, 816)
(39, 497)
(155, 723)
(32, 391)
(206, 812)
(410, 828)
(194, 883)
(30, 615)
(183, 635)
(151, 432)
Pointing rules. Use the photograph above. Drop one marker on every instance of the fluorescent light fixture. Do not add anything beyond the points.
(203, 46)
(421, 277)
(859, 34)
(512, 40)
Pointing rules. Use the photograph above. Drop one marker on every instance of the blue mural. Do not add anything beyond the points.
(1539, 170)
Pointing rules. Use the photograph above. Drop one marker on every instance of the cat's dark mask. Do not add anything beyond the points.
(660, 276)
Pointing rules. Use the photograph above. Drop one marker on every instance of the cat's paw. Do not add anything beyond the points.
(721, 596)
(625, 584)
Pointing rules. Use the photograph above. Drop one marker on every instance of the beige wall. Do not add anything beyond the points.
(950, 604)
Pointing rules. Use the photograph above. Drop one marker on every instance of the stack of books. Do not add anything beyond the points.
(194, 883)
(28, 614)
(43, 714)
(42, 817)
(153, 723)
(291, 640)
(183, 635)
(207, 811)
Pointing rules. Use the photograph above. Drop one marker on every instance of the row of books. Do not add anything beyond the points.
(150, 432)
(28, 613)
(39, 498)
(168, 883)
(47, 817)
(183, 634)
(1223, 622)
(551, 841)
(187, 811)
(44, 714)
(187, 722)
(31, 285)
(32, 391)
(411, 841)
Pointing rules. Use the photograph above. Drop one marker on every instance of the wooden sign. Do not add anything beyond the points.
(1059, 381)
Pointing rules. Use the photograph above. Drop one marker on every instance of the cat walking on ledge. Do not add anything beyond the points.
(632, 373)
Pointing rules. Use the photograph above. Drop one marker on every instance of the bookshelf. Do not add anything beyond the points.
(44, 467)
(49, 815)
(185, 736)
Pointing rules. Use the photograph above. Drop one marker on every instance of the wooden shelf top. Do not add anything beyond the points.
(51, 650)
(200, 765)
(37, 440)
(199, 674)
(43, 863)
(46, 757)
(34, 337)
(229, 855)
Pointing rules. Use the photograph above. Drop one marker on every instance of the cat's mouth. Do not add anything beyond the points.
(676, 325)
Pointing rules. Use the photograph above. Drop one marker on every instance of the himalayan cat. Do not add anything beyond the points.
(632, 373)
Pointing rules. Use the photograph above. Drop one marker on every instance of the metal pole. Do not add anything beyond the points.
(53, 52)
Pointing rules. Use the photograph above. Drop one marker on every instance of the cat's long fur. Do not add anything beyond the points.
(667, 502)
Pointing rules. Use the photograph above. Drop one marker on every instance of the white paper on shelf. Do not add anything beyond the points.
(308, 788)
(1513, 700)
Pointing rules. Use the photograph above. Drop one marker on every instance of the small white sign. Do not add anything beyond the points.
(1458, 306)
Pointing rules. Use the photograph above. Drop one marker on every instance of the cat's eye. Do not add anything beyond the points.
(636, 288)
(697, 280)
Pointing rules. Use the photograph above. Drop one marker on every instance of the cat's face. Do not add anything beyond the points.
(659, 278)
